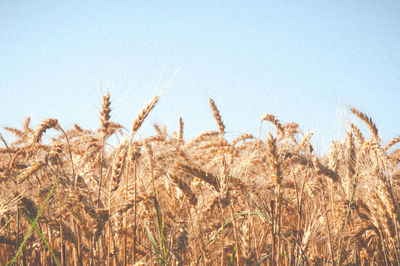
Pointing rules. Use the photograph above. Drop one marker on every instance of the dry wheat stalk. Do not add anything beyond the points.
(304, 222)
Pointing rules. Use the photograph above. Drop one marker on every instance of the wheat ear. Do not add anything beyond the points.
(118, 168)
(393, 142)
(273, 161)
(30, 170)
(143, 114)
(105, 113)
(372, 127)
(271, 118)
(180, 132)
(217, 117)
(45, 125)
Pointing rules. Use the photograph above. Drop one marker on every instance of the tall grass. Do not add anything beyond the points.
(169, 200)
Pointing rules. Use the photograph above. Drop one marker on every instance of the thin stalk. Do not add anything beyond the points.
(159, 216)
(125, 220)
(109, 228)
(222, 236)
(18, 226)
(235, 234)
(134, 214)
(397, 241)
(327, 223)
(349, 207)
(279, 225)
(298, 211)
(101, 168)
(60, 221)
(74, 248)
(70, 154)
(272, 232)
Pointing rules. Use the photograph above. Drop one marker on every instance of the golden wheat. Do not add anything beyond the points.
(168, 200)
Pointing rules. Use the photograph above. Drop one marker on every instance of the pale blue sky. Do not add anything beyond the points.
(300, 60)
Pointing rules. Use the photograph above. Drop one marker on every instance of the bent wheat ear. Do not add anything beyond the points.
(142, 116)
(197, 172)
(372, 127)
(46, 124)
(271, 118)
(241, 138)
(184, 187)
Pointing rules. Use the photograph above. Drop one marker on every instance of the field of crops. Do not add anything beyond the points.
(75, 199)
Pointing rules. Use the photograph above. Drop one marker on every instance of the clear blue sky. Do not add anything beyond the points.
(300, 60)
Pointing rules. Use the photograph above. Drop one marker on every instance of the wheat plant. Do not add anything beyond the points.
(75, 199)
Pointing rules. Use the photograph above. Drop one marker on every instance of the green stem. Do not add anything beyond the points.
(32, 227)
(42, 237)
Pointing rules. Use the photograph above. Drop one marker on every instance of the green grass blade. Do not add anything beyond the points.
(233, 256)
(263, 258)
(32, 227)
(42, 237)
(227, 222)
(153, 242)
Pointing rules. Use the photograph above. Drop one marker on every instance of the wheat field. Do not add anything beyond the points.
(76, 199)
